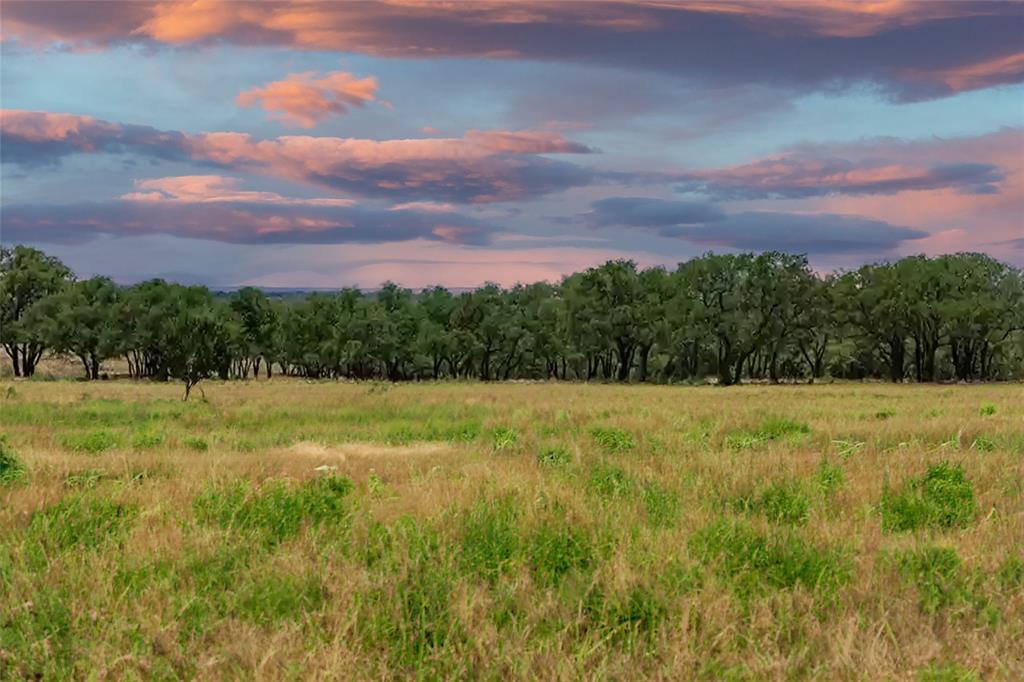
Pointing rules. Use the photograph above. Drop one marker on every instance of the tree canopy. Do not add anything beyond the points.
(732, 317)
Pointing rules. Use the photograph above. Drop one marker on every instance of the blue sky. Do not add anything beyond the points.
(335, 144)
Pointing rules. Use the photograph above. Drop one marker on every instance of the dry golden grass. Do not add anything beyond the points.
(434, 566)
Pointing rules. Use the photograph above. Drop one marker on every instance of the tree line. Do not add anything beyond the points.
(748, 316)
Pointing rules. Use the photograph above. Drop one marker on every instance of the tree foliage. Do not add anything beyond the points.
(734, 317)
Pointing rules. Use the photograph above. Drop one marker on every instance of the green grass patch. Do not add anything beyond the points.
(779, 502)
(610, 481)
(12, 469)
(987, 410)
(271, 599)
(275, 511)
(81, 522)
(195, 443)
(613, 439)
(92, 442)
(554, 456)
(504, 438)
(556, 548)
(751, 561)
(942, 498)
(490, 537)
(941, 582)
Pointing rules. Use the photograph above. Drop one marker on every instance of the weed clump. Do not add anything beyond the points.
(771, 429)
(11, 467)
(942, 498)
(781, 502)
(91, 443)
(504, 438)
(987, 410)
(946, 672)
(279, 597)
(830, 477)
(146, 440)
(631, 618)
(196, 443)
(662, 505)
(275, 512)
(490, 537)
(937, 574)
(608, 480)
(555, 549)
(82, 522)
(613, 439)
(753, 561)
(554, 455)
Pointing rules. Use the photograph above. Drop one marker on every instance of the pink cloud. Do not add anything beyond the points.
(480, 167)
(304, 100)
(838, 42)
(976, 165)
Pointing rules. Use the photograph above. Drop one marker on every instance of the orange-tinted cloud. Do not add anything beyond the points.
(913, 50)
(875, 167)
(482, 166)
(215, 208)
(304, 100)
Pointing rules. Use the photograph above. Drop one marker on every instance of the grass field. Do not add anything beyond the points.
(300, 530)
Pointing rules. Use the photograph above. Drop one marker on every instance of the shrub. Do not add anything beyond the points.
(82, 522)
(987, 410)
(753, 561)
(93, 442)
(11, 468)
(613, 439)
(504, 438)
(554, 455)
(942, 498)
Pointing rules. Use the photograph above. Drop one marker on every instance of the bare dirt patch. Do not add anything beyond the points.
(342, 452)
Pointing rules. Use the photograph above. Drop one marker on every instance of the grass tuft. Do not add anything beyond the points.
(942, 498)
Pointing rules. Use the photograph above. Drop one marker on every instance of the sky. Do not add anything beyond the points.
(322, 145)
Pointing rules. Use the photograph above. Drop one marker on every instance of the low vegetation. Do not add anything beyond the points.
(325, 530)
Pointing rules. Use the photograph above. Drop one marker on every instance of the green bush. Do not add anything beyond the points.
(93, 442)
(987, 410)
(613, 439)
(942, 498)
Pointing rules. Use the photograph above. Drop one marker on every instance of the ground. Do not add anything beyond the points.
(303, 530)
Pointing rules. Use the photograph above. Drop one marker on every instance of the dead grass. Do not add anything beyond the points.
(384, 589)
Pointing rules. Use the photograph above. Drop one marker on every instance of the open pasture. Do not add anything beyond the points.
(322, 530)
